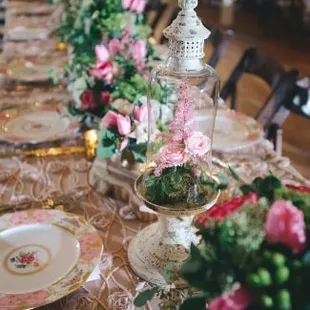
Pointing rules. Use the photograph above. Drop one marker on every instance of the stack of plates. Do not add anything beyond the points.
(44, 256)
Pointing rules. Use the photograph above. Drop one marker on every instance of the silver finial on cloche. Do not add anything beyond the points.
(187, 34)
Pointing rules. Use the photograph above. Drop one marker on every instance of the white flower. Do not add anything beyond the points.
(141, 132)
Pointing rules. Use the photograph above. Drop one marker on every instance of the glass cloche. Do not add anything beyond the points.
(182, 104)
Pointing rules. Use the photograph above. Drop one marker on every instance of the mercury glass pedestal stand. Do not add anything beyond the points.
(169, 239)
(164, 242)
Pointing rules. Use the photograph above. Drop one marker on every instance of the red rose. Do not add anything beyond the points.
(105, 97)
(301, 189)
(220, 211)
(88, 100)
(239, 299)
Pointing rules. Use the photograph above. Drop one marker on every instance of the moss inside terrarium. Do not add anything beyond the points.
(181, 186)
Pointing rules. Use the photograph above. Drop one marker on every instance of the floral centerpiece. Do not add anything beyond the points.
(108, 70)
(254, 252)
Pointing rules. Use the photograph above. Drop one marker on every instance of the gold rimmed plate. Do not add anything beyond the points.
(31, 70)
(232, 130)
(37, 124)
(44, 256)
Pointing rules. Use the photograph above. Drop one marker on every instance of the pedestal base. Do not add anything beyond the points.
(157, 245)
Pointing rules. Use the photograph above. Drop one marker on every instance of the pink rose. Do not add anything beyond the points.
(285, 224)
(141, 113)
(105, 97)
(122, 122)
(138, 50)
(173, 154)
(114, 47)
(103, 71)
(239, 299)
(134, 5)
(88, 100)
(198, 144)
(102, 53)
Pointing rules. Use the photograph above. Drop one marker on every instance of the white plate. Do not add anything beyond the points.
(42, 123)
(21, 33)
(232, 130)
(44, 256)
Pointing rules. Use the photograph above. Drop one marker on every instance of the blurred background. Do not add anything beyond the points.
(279, 32)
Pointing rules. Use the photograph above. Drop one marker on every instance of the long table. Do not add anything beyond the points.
(113, 284)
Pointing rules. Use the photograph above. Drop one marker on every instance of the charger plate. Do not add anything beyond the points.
(44, 256)
(40, 123)
(232, 130)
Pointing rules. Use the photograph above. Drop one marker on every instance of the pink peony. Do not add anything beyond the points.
(123, 124)
(138, 50)
(134, 5)
(105, 97)
(114, 47)
(198, 144)
(141, 113)
(103, 71)
(102, 53)
(285, 224)
(239, 299)
(114, 119)
(173, 154)
(88, 100)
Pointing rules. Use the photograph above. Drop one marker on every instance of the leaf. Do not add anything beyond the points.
(106, 152)
(145, 296)
(193, 265)
(139, 152)
(170, 272)
(197, 302)
(246, 189)
(234, 174)
(223, 181)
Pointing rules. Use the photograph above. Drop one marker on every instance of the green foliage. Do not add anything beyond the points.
(139, 152)
(195, 302)
(263, 187)
(300, 200)
(178, 184)
(107, 148)
(145, 296)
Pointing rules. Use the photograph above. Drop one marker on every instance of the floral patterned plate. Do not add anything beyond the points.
(40, 123)
(232, 130)
(44, 256)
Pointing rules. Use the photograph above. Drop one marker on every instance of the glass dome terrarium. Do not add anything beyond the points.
(177, 181)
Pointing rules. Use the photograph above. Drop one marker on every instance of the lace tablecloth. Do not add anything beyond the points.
(113, 285)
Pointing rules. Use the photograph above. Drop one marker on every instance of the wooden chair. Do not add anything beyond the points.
(158, 12)
(220, 40)
(256, 63)
(276, 110)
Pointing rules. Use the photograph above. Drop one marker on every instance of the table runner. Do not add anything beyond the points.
(113, 284)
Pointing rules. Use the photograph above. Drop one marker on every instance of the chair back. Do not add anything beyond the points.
(255, 63)
(220, 40)
(274, 110)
